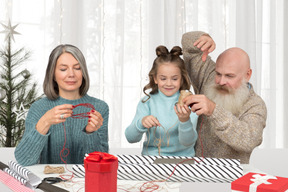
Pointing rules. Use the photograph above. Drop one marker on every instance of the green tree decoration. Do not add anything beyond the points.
(17, 91)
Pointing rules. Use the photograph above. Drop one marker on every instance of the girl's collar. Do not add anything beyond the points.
(175, 96)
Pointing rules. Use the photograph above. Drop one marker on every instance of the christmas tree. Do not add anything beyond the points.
(17, 93)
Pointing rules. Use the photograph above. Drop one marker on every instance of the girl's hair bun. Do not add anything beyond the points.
(161, 51)
(176, 51)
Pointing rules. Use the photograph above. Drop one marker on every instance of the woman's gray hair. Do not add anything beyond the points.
(50, 86)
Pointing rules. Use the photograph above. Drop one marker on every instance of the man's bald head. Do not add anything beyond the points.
(232, 68)
(238, 54)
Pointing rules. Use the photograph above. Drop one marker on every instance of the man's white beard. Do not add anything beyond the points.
(230, 99)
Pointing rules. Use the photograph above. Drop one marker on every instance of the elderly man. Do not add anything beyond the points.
(232, 115)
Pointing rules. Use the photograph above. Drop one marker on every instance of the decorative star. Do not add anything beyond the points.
(20, 113)
(10, 31)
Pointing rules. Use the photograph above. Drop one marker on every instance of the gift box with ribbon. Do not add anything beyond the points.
(255, 182)
(100, 172)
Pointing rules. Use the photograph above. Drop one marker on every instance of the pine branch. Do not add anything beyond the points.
(19, 85)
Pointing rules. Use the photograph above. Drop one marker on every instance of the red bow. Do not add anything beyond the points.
(98, 156)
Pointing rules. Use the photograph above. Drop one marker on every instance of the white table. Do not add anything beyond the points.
(171, 187)
(271, 161)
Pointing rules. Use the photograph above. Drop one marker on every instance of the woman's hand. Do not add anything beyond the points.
(95, 121)
(183, 112)
(55, 115)
(150, 121)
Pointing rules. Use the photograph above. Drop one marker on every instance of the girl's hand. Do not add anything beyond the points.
(150, 121)
(56, 115)
(183, 112)
(95, 121)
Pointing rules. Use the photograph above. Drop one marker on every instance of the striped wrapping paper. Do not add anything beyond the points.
(143, 168)
(23, 175)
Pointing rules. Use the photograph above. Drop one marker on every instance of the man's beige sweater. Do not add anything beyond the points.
(223, 134)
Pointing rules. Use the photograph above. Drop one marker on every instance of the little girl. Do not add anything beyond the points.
(170, 128)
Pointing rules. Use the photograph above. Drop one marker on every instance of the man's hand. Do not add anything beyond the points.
(200, 104)
(206, 44)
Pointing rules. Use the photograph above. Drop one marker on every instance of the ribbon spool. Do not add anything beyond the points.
(100, 172)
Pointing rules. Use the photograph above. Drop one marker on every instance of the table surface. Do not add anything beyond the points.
(263, 160)
(77, 184)
(122, 184)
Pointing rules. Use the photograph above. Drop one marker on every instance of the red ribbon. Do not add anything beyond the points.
(98, 156)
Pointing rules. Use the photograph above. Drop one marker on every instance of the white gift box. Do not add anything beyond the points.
(174, 168)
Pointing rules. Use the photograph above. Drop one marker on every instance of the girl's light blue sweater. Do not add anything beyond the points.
(180, 136)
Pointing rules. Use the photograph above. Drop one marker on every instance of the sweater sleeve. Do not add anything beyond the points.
(29, 149)
(135, 130)
(198, 70)
(187, 131)
(242, 133)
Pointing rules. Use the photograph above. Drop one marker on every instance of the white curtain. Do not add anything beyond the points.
(119, 37)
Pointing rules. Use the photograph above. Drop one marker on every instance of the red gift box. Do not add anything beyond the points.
(255, 182)
(100, 172)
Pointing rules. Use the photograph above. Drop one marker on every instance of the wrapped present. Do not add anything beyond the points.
(100, 172)
(174, 169)
(255, 182)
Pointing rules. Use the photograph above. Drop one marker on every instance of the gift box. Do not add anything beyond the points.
(255, 182)
(100, 172)
(174, 169)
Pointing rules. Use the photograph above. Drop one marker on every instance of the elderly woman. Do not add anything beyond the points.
(53, 132)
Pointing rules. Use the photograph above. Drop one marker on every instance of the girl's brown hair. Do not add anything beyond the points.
(164, 56)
